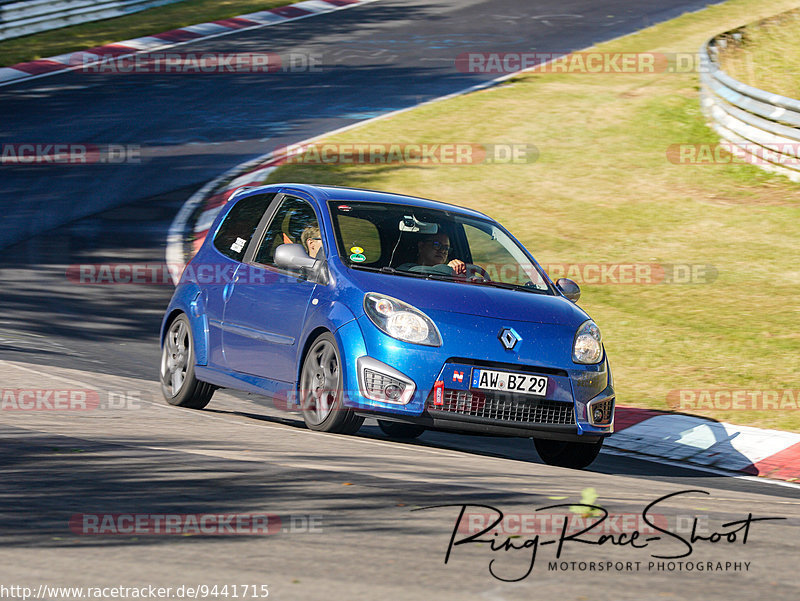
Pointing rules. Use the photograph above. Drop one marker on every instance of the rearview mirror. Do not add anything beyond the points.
(569, 289)
(412, 224)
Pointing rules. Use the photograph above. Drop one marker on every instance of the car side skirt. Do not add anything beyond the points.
(244, 382)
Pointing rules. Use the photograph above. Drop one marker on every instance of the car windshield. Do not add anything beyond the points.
(421, 242)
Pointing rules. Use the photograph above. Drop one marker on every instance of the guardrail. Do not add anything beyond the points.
(764, 127)
(32, 16)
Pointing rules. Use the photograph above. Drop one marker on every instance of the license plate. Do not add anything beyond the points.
(486, 379)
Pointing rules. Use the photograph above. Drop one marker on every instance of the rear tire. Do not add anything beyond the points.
(178, 383)
(575, 455)
(321, 390)
(400, 431)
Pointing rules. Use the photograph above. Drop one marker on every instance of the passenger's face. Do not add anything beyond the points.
(434, 251)
(314, 244)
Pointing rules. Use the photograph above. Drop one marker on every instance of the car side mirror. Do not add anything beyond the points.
(569, 289)
(293, 256)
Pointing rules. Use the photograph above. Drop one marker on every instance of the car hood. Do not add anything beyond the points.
(471, 299)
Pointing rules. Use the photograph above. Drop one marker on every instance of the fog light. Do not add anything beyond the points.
(601, 412)
(392, 392)
(380, 382)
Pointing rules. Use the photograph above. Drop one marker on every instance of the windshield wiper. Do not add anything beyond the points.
(419, 274)
(390, 270)
(506, 286)
(442, 277)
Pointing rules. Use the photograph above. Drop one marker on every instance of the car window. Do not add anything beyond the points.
(239, 225)
(497, 259)
(361, 239)
(393, 238)
(295, 222)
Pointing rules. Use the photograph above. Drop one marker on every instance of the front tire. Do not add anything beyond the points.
(178, 383)
(321, 396)
(575, 455)
(400, 431)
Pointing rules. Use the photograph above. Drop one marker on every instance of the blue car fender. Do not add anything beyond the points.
(351, 343)
(327, 315)
(189, 299)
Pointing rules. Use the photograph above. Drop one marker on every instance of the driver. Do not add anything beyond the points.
(311, 240)
(432, 251)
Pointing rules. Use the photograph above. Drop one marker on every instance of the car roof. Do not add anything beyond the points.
(324, 193)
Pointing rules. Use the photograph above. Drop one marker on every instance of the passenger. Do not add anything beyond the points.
(432, 251)
(311, 240)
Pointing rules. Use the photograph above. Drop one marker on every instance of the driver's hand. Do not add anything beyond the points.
(459, 267)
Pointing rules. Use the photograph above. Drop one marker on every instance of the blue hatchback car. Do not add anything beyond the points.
(347, 303)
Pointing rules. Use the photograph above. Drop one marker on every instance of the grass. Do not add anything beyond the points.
(769, 55)
(603, 191)
(146, 22)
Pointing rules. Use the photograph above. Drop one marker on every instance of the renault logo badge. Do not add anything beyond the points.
(509, 338)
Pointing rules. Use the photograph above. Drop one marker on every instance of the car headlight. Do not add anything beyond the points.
(400, 320)
(587, 347)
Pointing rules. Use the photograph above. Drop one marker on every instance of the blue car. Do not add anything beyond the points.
(345, 304)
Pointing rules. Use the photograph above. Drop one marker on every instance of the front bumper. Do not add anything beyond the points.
(572, 408)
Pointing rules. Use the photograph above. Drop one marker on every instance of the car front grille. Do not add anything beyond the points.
(501, 406)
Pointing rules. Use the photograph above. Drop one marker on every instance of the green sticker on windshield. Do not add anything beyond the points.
(357, 258)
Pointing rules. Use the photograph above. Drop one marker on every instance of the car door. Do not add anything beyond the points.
(215, 273)
(266, 307)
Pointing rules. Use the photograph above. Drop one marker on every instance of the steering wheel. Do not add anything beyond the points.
(476, 273)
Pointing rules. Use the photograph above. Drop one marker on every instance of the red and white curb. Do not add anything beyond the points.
(203, 31)
(706, 443)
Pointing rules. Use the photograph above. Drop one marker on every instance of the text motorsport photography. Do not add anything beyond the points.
(513, 551)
